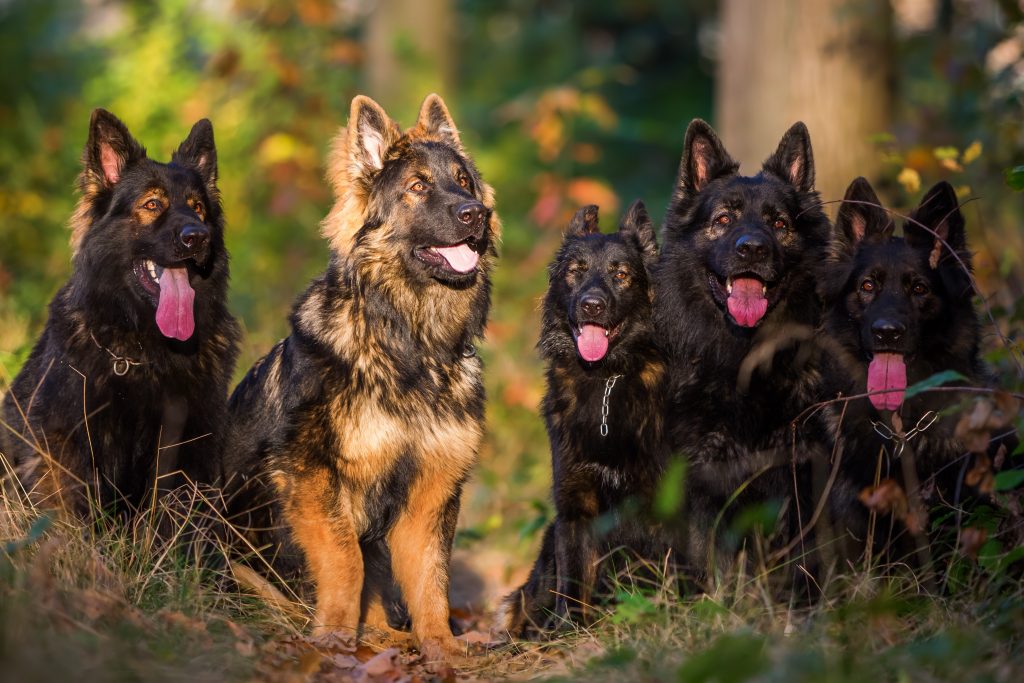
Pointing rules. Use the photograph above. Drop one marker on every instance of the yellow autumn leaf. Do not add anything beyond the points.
(972, 152)
(910, 179)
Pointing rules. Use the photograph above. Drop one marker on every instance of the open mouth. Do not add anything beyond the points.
(593, 339)
(461, 258)
(747, 296)
(172, 294)
(887, 375)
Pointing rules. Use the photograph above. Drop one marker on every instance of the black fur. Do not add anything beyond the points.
(82, 428)
(735, 388)
(603, 484)
(910, 297)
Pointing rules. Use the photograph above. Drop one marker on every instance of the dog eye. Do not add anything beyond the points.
(867, 286)
(463, 182)
(621, 275)
(920, 289)
(724, 219)
(418, 186)
(198, 208)
(151, 205)
(780, 224)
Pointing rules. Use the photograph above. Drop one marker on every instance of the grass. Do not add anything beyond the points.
(112, 602)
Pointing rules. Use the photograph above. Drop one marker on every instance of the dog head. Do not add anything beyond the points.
(413, 199)
(599, 293)
(894, 303)
(748, 240)
(158, 226)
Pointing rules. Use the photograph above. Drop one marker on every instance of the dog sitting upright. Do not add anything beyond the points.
(128, 381)
(901, 310)
(603, 410)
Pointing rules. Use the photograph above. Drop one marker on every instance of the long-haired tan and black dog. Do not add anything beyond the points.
(125, 389)
(368, 417)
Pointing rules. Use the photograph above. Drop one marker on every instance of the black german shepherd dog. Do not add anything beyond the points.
(366, 420)
(736, 310)
(604, 415)
(129, 379)
(900, 310)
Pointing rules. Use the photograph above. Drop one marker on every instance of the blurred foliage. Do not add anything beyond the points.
(561, 103)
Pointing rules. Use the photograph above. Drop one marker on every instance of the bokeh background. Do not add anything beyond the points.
(561, 102)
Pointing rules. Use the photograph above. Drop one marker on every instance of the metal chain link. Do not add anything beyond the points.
(122, 364)
(901, 438)
(608, 384)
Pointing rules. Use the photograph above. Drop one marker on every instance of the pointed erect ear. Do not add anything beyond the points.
(937, 216)
(199, 152)
(109, 150)
(371, 133)
(584, 222)
(637, 225)
(793, 161)
(435, 121)
(704, 158)
(861, 215)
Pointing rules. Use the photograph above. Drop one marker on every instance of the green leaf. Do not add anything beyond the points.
(668, 500)
(1015, 178)
(1009, 480)
(34, 533)
(936, 380)
(733, 658)
(946, 153)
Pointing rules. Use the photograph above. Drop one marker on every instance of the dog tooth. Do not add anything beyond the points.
(728, 285)
(764, 290)
(606, 333)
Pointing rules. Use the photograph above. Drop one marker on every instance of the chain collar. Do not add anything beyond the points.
(121, 364)
(899, 437)
(608, 385)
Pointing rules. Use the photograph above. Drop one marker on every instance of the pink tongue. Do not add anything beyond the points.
(460, 257)
(746, 303)
(887, 372)
(174, 312)
(592, 343)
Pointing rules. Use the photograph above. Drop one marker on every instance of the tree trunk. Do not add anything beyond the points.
(823, 62)
(409, 53)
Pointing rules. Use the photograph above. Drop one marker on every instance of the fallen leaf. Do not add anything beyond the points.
(887, 497)
(971, 540)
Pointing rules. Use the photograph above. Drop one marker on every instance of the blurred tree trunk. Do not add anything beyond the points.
(823, 62)
(409, 53)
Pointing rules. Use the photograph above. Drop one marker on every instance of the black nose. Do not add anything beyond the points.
(752, 246)
(592, 306)
(470, 213)
(887, 331)
(194, 237)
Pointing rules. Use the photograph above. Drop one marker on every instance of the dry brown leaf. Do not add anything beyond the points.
(971, 540)
(384, 666)
(980, 475)
(887, 497)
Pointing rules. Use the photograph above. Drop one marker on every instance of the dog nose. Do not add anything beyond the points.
(886, 331)
(592, 306)
(752, 246)
(194, 237)
(470, 213)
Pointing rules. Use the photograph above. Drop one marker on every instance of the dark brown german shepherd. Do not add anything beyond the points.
(127, 383)
(603, 408)
(367, 419)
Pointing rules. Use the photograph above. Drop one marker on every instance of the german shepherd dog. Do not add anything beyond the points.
(603, 410)
(736, 309)
(129, 379)
(900, 310)
(367, 419)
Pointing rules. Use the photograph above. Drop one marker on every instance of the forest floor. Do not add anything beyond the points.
(111, 603)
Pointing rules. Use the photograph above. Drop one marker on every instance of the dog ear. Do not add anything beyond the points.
(936, 219)
(704, 159)
(435, 121)
(584, 222)
(793, 161)
(861, 216)
(371, 133)
(637, 225)
(199, 151)
(109, 150)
